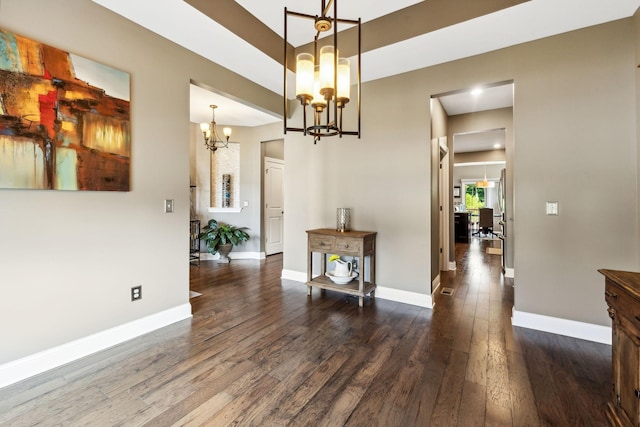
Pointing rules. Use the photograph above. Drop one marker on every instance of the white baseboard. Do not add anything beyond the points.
(297, 276)
(397, 295)
(405, 297)
(28, 366)
(435, 284)
(555, 325)
(509, 273)
(206, 256)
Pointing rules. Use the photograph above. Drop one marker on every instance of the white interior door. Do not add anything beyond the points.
(274, 205)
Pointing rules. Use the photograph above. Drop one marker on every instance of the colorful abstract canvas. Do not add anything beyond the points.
(64, 120)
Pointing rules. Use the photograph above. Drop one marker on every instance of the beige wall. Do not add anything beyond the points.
(385, 178)
(475, 172)
(561, 86)
(439, 119)
(70, 258)
(76, 254)
(561, 89)
(275, 148)
(480, 156)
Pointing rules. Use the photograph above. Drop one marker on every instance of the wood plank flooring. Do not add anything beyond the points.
(258, 352)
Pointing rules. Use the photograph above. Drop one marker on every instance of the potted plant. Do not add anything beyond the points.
(220, 238)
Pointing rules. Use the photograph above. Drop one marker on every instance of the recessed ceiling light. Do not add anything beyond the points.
(497, 145)
(476, 91)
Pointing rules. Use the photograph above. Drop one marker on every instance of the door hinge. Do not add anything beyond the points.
(266, 171)
(440, 250)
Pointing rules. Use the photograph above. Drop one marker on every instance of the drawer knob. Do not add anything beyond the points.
(610, 294)
(637, 393)
(638, 318)
(612, 312)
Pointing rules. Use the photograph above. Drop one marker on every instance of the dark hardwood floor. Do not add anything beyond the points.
(259, 352)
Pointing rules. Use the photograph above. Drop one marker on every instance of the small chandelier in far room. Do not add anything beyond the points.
(484, 183)
(211, 139)
(323, 79)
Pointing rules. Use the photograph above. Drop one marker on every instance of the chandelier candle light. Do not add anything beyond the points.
(323, 79)
(211, 139)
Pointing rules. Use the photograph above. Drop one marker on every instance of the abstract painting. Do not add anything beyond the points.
(64, 120)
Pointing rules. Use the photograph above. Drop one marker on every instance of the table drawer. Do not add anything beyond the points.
(321, 243)
(347, 246)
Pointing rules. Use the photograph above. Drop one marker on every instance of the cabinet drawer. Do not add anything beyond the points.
(623, 303)
(321, 243)
(346, 245)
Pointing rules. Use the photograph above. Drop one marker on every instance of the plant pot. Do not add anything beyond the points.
(224, 250)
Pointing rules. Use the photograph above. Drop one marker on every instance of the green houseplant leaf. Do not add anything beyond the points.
(217, 233)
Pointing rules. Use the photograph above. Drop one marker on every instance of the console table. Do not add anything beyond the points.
(358, 244)
(622, 294)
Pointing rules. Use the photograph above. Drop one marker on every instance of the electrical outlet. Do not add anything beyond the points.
(136, 293)
(168, 206)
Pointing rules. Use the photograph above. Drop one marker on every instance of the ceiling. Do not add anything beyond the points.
(473, 100)
(243, 35)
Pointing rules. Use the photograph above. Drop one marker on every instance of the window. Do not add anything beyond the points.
(476, 198)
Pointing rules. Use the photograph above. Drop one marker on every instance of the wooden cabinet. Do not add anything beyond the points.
(622, 294)
(359, 244)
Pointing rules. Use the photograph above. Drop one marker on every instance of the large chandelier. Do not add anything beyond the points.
(211, 139)
(323, 79)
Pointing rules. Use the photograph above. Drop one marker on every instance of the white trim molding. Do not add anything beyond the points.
(224, 210)
(206, 256)
(452, 265)
(435, 284)
(28, 366)
(296, 276)
(569, 328)
(405, 297)
(397, 295)
(509, 273)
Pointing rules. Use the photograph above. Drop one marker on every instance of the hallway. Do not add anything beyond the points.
(519, 376)
(259, 352)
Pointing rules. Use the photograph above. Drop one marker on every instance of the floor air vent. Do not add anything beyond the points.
(447, 291)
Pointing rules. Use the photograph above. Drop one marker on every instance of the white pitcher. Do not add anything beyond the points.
(343, 268)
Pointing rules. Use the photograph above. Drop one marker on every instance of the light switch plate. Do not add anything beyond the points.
(168, 206)
(552, 208)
